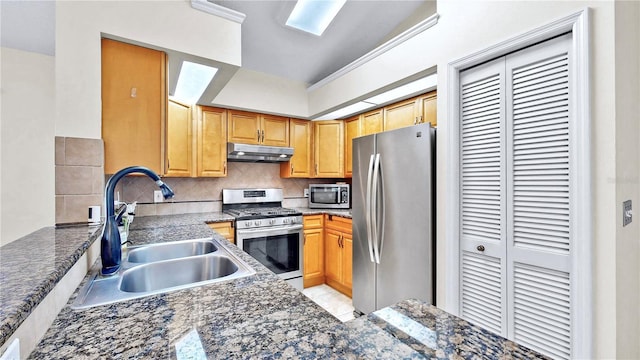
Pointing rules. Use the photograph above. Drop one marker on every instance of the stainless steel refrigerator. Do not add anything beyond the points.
(393, 222)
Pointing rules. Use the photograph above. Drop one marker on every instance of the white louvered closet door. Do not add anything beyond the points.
(539, 197)
(515, 229)
(482, 208)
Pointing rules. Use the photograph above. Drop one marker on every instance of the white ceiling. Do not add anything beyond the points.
(269, 46)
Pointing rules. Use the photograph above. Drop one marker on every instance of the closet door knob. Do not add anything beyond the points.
(480, 248)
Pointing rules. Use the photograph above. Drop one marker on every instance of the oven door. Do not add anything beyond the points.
(278, 248)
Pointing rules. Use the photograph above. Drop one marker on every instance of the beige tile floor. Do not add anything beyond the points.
(338, 304)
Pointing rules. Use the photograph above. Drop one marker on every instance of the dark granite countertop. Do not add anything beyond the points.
(341, 213)
(31, 266)
(256, 317)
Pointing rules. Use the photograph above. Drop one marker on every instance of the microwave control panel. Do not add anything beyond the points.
(344, 196)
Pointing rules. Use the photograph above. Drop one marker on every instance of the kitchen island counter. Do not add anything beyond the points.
(259, 316)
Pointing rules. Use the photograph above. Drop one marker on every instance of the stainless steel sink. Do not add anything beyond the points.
(172, 273)
(171, 250)
(136, 279)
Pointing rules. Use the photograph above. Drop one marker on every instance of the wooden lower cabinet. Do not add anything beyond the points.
(313, 265)
(225, 229)
(338, 253)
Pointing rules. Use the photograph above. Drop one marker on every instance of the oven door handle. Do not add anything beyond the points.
(276, 230)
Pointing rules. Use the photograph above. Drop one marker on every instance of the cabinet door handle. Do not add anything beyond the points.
(225, 168)
(420, 119)
(316, 169)
(304, 239)
(415, 120)
(291, 169)
(258, 131)
(262, 136)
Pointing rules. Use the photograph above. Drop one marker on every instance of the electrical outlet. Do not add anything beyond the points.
(626, 213)
(306, 192)
(12, 352)
(157, 196)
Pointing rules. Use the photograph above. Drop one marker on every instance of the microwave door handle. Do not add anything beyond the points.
(374, 207)
(367, 207)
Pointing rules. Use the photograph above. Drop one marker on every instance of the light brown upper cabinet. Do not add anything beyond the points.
(328, 144)
(371, 122)
(409, 112)
(427, 108)
(299, 166)
(133, 106)
(400, 115)
(179, 137)
(257, 129)
(351, 130)
(211, 139)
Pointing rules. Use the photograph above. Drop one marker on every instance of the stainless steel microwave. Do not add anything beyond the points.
(329, 196)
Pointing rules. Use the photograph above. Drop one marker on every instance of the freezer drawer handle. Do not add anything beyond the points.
(480, 248)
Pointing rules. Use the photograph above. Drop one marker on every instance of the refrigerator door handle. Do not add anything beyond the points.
(367, 207)
(381, 217)
(374, 207)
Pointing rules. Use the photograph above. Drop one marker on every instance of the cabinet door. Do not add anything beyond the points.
(225, 229)
(313, 266)
(212, 142)
(133, 106)
(427, 105)
(179, 140)
(300, 164)
(328, 149)
(243, 127)
(347, 260)
(351, 130)
(371, 122)
(400, 115)
(274, 130)
(333, 255)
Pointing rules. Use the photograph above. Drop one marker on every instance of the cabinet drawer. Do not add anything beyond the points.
(225, 229)
(338, 223)
(313, 221)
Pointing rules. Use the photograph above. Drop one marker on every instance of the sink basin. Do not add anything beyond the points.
(167, 274)
(148, 270)
(171, 250)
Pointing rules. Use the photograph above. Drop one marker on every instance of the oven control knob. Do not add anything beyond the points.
(247, 223)
(293, 220)
(257, 223)
(285, 221)
(272, 221)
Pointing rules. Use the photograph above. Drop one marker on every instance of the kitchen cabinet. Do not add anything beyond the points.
(372, 122)
(427, 108)
(413, 111)
(401, 114)
(299, 166)
(338, 253)
(351, 130)
(133, 106)
(179, 140)
(257, 129)
(225, 229)
(328, 144)
(211, 140)
(313, 266)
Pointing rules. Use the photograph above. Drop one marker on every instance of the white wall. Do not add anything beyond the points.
(167, 24)
(627, 179)
(27, 143)
(466, 27)
(266, 93)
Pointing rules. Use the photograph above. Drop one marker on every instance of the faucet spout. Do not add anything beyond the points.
(111, 249)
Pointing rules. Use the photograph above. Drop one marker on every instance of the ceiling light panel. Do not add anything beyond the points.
(193, 81)
(346, 111)
(313, 16)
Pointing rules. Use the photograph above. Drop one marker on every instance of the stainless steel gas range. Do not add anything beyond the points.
(267, 231)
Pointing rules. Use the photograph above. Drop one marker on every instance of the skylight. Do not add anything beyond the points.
(192, 81)
(313, 16)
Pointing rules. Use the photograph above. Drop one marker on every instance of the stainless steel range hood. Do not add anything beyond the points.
(258, 153)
